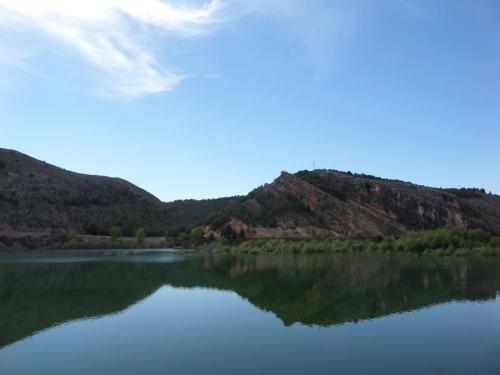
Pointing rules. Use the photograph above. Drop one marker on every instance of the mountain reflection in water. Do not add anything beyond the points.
(311, 289)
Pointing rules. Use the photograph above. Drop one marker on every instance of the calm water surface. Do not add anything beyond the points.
(160, 313)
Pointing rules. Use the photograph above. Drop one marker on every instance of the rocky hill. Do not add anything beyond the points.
(37, 197)
(350, 205)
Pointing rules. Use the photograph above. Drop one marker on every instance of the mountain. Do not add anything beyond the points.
(353, 205)
(38, 197)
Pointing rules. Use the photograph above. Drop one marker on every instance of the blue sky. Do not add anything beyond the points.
(200, 99)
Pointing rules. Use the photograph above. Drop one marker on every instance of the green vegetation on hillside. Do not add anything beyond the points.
(188, 213)
(35, 195)
(260, 207)
(332, 186)
(467, 192)
(443, 241)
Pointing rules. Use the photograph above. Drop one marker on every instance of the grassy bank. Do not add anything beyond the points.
(443, 241)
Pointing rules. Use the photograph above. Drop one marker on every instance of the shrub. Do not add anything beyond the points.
(486, 250)
(196, 236)
(183, 238)
(116, 234)
(442, 241)
(140, 234)
(461, 253)
(495, 241)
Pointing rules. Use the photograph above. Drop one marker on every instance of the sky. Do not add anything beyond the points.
(203, 99)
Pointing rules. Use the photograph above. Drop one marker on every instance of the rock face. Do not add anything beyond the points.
(348, 218)
(350, 205)
(36, 197)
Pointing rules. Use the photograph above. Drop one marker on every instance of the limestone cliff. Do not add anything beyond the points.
(349, 205)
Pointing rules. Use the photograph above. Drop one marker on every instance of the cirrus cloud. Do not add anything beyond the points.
(112, 34)
(120, 38)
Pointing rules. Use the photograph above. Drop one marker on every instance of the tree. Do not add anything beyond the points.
(183, 238)
(139, 235)
(196, 235)
(116, 234)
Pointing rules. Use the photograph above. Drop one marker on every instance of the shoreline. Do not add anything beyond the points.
(442, 241)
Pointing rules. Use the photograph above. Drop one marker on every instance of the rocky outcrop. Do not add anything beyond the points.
(412, 206)
(350, 205)
(343, 218)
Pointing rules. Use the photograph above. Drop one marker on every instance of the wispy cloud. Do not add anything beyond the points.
(119, 37)
(113, 34)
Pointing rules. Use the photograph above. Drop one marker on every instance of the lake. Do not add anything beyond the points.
(160, 313)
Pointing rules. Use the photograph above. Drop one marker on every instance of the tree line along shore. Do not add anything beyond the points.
(441, 241)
